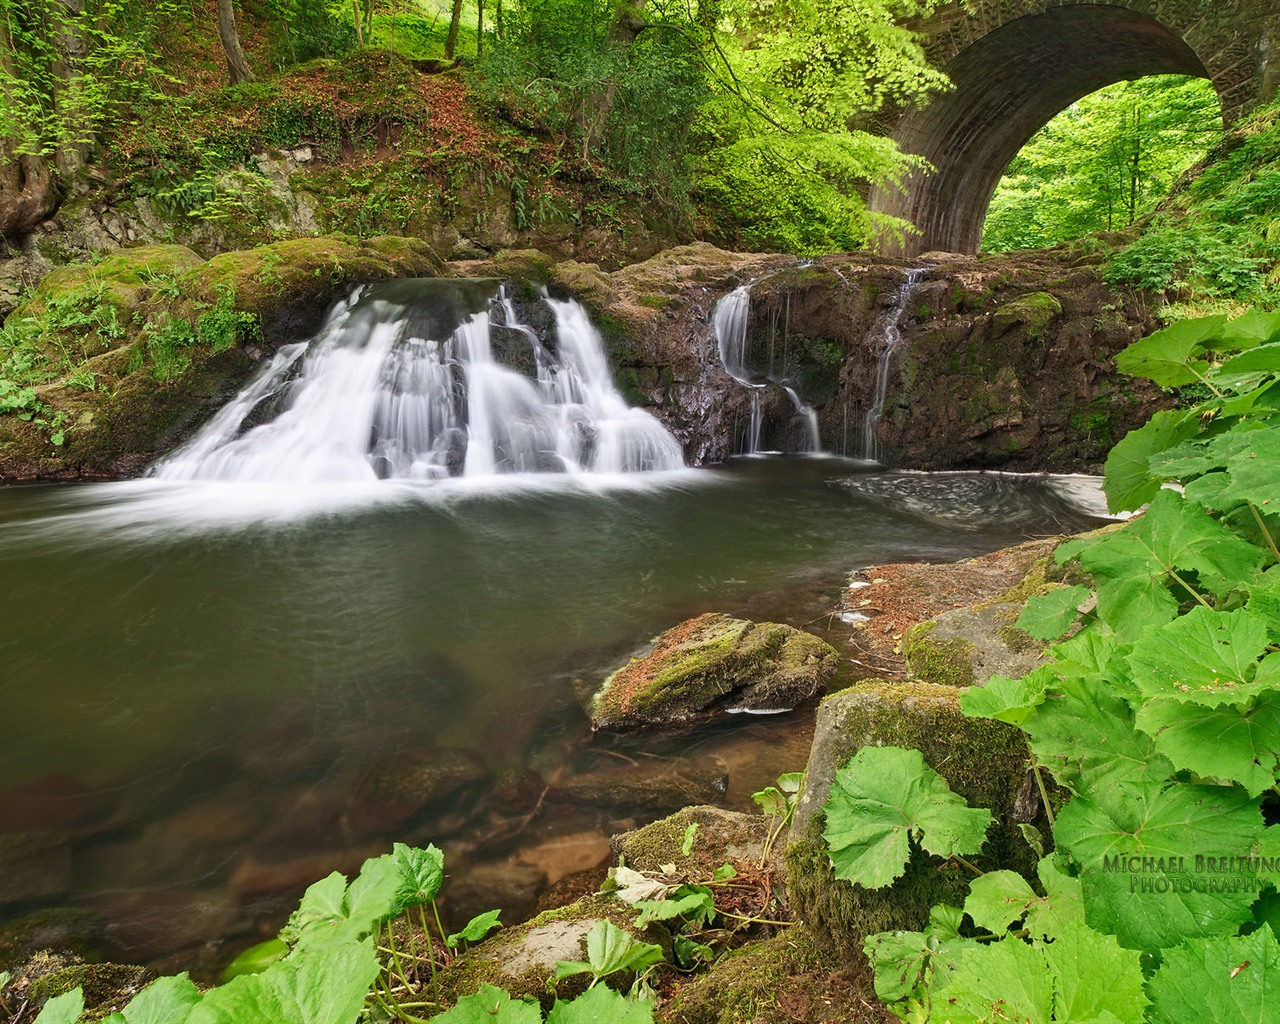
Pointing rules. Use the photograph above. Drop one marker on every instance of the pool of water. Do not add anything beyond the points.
(204, 683)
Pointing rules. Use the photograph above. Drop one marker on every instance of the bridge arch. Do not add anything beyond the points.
(1017, 63)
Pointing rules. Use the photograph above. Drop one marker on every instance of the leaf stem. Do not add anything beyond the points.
(1044, 793)
(1271, 543)
(967, 864)
(1189, 588)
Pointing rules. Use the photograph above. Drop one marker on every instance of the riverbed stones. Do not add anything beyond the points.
(653, 786)
(982, 760)
(712, 666)
(404, 785)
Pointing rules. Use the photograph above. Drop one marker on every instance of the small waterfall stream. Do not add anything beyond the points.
(731, 322)
(422, 380)
(888, 334)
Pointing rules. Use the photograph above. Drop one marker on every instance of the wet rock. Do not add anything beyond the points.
(712, 666)
(1034, 311)
(516, 791)
(302, 817)
(509, 886)
(34, 865)
(255, 878)
(73, 929)
(565, 855)
(983, 761)
(402, 786)
(52, 801)
(142, 926)
(655, 786)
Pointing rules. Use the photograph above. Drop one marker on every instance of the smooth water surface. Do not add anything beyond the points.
(171, 646)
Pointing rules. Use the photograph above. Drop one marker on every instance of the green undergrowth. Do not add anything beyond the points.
(1214, 246)
(1155, 898)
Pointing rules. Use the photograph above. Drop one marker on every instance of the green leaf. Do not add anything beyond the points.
(1230, 742)
(898, 960)
(1133, 566)
(63, 1009)
(611, 949)
(1264, 358)
(5, 978)
(690, 833)
(491, 1005)
(1165, 829)
(1048, 616)
(256, 958)
(771, 801)
(475, 929)
(1205, 657)
(880, 800)
(326, 985)
(724, 872)
(997, 899)
(1007, 700)
(372, 897)
(689, 953)
(1165, 356)
(1127, 479)
(1235, 979)
(1006, 981)
(1093, 976)
(321, 904)
(791, 782)
(600, 1006)
(421, 875)
(165, 1001)
(1062, 903)
(692, 902)
(1249, 330)
(1085, 736)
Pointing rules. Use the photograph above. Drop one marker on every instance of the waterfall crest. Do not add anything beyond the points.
(887, 335)
(423, 380)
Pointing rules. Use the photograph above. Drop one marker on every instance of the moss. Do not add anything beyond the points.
(777, 981)
(720, 836)
(944, 662)
(1035, 310)
(121, 278)
(106, 987)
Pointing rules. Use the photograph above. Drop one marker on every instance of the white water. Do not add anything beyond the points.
(371, 397)
(731, 322)
(888, 334)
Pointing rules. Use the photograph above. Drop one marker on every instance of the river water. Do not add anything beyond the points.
(271, 659)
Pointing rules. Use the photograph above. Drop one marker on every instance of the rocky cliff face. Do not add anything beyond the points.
(1002, 363)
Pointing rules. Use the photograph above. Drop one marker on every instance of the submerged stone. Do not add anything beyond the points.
(982, 760)
(712, 666)
(661, 786)
(403, 785)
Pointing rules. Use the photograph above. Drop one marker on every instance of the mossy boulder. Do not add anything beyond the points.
(711, 666)
(983, 761)
(967, 646)
(1035, 311)
(107, 987)
(719, 836)
(123, 278)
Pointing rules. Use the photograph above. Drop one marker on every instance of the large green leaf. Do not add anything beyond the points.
(903, 962)
(372, 897)
(63, 1009)
(1127, 479)
(1085, 735)
(1248, 331)
(1205, 657)
(1230, 742)
(880, 800)
(1006, 981)
(1093, 976)
(611, 949)
(1160, 831)
(1000, 898)
(1224, 980)
(165, 1001)
(491, 1005)
(1048, 616)
(1166, 356)
(1133, 566)
(1264, 358)
(600, 1005)
(326, 985)
(1007, 700)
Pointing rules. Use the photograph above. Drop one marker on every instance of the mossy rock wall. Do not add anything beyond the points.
(133, 414)
(982, 760)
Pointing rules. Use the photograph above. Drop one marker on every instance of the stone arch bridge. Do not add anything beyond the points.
(1017, 63)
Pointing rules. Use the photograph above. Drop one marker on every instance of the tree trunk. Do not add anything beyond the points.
(479, 28)
(451, 40)
(237, 66)
(29, 185)
(355, 7)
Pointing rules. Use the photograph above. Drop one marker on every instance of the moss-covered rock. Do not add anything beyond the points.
(969, 645)
(107, 987)
(1035, 310)
(945, 661)
(787, 979)
(719, 836)
(710, 666)
(982, 760)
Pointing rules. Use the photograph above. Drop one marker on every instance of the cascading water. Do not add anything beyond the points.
(403, 382)
(887, 333)
(731, 321)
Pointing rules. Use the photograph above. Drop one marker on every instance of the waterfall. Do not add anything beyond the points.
(422, 380)
(887, 334)
(731, 322)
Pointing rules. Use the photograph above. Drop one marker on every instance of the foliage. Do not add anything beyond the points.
(610, 949)
(779, 802)
(1159, 717)
(1102, 163)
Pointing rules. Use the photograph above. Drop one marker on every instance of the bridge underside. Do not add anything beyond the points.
(1008, 84)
